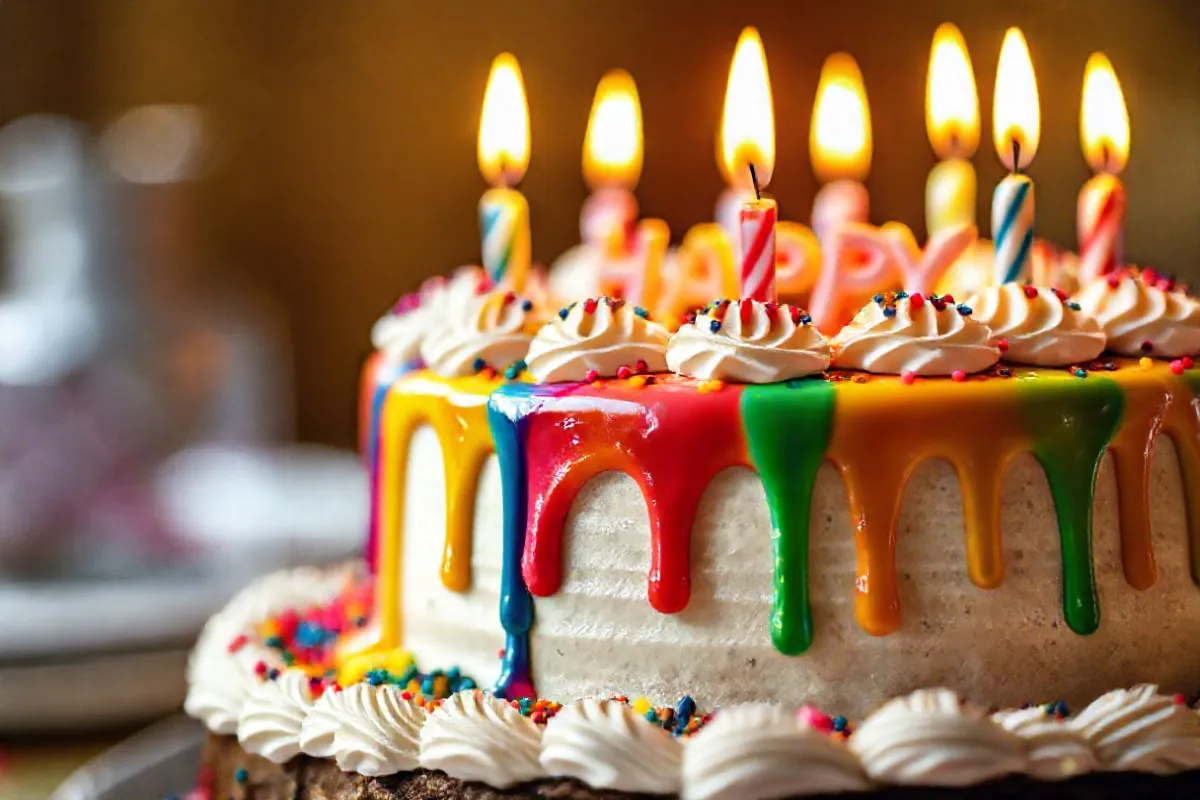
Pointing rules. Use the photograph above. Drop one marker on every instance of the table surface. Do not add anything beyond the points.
(30, 769)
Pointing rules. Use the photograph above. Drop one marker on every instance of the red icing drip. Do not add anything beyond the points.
(670, 439)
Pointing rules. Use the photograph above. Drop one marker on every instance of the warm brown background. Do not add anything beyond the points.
(343, 131)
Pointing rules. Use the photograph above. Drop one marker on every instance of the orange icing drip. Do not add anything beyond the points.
(882, 431)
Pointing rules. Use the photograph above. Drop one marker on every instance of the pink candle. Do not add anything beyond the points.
(757, 222)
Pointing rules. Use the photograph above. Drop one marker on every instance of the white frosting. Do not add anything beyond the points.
(474, 736)
(566, 349)
(923, 340)
(929, 739)
(608, 745)
(1133, 312)
(1056, 750)
(378, 732)
(759, 751)
(1141, 730)
(770, 345)
(220, 681)
(318, 734)
(270, 722)
(398, 334)
(1041, 329)
(493, 328)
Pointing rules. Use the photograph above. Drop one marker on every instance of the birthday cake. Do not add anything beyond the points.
(756, 551)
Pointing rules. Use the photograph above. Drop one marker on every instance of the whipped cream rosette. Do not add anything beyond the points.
(595, 339)
(1037, 325)
(472, 328)
(748, 341)
(1143, 314)
(896, 334)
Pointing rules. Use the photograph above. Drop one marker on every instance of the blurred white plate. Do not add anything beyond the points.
(76, 653)
(155, 763)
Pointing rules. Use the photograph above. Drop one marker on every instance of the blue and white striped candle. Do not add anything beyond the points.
(1012, 228)
(504, 226)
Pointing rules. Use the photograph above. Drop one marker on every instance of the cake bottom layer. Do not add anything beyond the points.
(305, 778)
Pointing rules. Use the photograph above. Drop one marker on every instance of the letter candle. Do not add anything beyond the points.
(1104, 129)
(503, 156)
(748, 147)
(1016, 120)
(840, 148)
(952, 121)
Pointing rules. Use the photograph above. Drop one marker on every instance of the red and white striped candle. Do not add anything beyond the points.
(1101, 228)
(757, 221)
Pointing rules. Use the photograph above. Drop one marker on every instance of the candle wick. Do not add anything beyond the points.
(1104, 157)
(954, 141)
(503, 164)
(754, 180)
(1016, 147)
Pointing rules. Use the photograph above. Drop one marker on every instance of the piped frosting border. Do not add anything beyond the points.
(926, 738)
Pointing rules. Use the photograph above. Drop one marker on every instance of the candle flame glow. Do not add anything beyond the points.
(504, 125)
(1016, 115)
(612, 148)
(951, 101)
(747, 133)
(840, 139)
(1103, 120)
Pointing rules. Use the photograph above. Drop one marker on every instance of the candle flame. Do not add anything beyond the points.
(840, 139)
(1016, 115)
(612, 148)
(747, 133)
(1103, 121)
(951, 102)
(504, 125)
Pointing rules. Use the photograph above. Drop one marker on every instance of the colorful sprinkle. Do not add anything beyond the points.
(589, 305)
(916, 301)
(1145, 363)
(641, 312)
(908, 378)
(965, 311)
(1176, 367)
(958, 375)
(1030, 291)
(563, 313)
(714, 326)
(241, 775)
(1002, 345)
(889, 312)
(1080, 372)
(591, 376)
(639, 381)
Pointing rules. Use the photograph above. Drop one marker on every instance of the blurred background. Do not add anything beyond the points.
(204, 204)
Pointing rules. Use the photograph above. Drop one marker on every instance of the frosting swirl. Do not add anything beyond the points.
(492, 329)
(1141, 317)
(896, 334)
(929, 739)
(598, 335)
(746, 341)
(378, 732)
(758, 751)
(1141, 730)
(608, 745)
(474, 736)
(270, 722)
(1055, 748)
(1040, 326)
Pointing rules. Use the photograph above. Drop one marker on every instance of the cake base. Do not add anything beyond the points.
(305, 778)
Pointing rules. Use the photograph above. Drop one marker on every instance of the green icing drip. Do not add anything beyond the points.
(788, 426)
(1072, 421)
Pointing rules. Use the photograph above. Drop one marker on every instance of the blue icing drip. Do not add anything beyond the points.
(508, 408)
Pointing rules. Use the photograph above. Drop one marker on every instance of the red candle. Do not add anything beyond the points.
(757, 222)
(1104, 130)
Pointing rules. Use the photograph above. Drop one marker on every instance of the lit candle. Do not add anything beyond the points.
(952, 120)
(748, 158)
(1104, 129)
(612, 163)
(1016, 121)
(840, 147)
(503, 157)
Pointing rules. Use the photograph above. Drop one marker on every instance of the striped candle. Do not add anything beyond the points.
(1012, 227)
(757, 222)
(1101, 221)
(504, 225)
